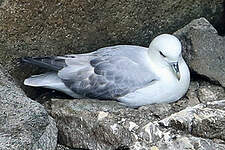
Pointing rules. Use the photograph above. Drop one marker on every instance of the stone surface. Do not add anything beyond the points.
(40, 28)
(205, 52)
(100, 125)
(200, 92)
(155, 137)
(62, 147)
(94, 124)
(24, 124)
(203, 120)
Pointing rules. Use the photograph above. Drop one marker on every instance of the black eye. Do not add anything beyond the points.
(162, 54)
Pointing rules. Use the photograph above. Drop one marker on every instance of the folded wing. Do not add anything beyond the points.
(107, 77)
(108, 73)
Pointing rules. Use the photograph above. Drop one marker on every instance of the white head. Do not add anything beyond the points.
(166, 49)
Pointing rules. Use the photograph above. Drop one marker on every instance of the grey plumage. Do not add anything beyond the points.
(108, 73)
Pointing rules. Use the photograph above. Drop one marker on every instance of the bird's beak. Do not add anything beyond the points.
(175, 68)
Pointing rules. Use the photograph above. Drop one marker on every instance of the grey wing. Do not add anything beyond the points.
(105, 77)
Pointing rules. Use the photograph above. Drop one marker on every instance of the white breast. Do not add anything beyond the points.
(166, 89)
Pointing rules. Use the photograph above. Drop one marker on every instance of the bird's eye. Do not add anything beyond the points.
(162, 54)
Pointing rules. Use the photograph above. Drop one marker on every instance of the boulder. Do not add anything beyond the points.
(198, 127)
(156, 136)
(40, 28)
(205, 120)
(24, 123)
(94, 124)
(204, 49)
(199, 92)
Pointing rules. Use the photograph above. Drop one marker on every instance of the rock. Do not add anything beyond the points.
(203, 120)
(96, 124)
(199, 92)
(24, 123)
(40, 28)
(173, 140)
(210, 92)
(204, 49)
(100, 125)
(61, 147)
(198, 127)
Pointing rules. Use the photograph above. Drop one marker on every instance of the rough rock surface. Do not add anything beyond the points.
(62, 147)
(38, 28)
(199, 127)
(109, 125)
(41, 27)
(204, 120)
(205, 52)
(24, 124)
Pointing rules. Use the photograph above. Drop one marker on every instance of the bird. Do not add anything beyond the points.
(132, 75)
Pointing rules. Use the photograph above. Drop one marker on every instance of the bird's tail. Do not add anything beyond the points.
(51, 63)
(48, 80)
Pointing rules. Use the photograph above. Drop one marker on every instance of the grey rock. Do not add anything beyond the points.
(199, 92)
(94, 124)
(210, 92)
(40, 28)
(24, 123)
(194, 128)
(62, 147)
(203, 120)
(48, 140)
(173, 140)
(204, 49)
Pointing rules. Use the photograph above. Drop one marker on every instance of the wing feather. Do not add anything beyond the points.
(107, 75)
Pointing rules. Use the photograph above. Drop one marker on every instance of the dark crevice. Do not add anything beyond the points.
(70, 148)
(123, 148)
(42, 95)
(198, 77)
(220, 26)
